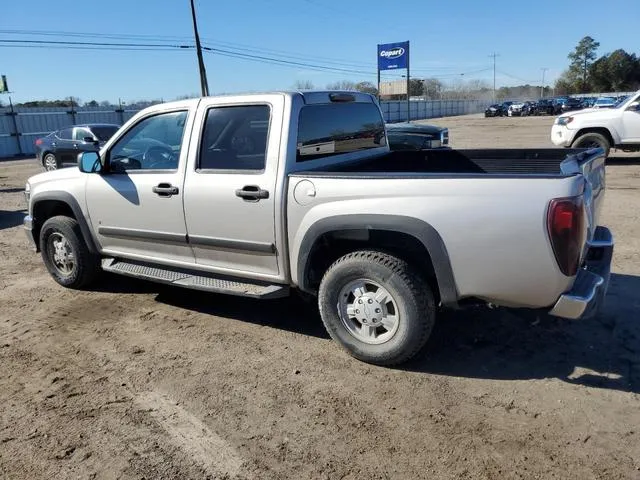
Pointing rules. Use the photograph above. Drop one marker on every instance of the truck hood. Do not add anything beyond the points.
(54, 176)
(594, 114)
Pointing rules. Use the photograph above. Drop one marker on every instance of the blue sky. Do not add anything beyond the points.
(447, 38)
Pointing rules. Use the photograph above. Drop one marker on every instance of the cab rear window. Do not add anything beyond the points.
(338, 128)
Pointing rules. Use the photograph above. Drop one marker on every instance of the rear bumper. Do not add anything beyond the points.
(590, 287)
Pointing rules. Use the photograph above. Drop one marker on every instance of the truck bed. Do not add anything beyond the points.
(510, 162)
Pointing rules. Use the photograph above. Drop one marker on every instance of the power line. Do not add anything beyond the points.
(516, 78)
(102, 44)
(230, 46)
(231, 53)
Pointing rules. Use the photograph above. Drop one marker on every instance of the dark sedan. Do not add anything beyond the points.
(544, 107)
(494, 110)
(571, 104)
(60, 148)
(416, 136)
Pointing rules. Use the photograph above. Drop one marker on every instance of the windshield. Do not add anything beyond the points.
(621, 101)
(104, 133)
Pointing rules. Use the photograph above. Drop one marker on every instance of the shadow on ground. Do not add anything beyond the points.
(623, 159)
(9, 219)
(291, 314)
(602, 352)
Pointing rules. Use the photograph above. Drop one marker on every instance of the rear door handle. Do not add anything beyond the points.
(252, 193)
(165, 190)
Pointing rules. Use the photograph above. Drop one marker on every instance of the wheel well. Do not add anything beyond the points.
(43, 211)
(601, 130)
(333, 245)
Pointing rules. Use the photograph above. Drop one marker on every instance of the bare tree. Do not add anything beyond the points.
(303, 85)
(343, 85)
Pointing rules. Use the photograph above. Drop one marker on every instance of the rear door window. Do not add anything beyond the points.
(337, 128)
(235, 138)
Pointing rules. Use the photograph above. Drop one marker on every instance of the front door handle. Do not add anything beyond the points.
(165, 190)
(252, 193)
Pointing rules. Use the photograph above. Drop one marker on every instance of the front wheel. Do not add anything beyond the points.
(50, 162)
(377, 307)
(592, 140)
(65, 253)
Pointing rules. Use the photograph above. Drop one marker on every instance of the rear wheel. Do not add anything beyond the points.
(65, 253)
(592, 140)
(50, 162)
(377, 307)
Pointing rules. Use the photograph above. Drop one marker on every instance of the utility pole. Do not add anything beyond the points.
(204, 86)
(542, 87)
(494, 55)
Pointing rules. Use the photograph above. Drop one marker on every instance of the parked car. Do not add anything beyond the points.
(558, 102)
(504, 108)
(544, 106)
(519, 109)
(321, 205)
(494, 110)
(416, 136)
(605, 128)
(571, 104)
(587, 102)
(605, 102)
(62, 146)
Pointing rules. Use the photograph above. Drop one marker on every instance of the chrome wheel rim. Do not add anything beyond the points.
(50, 162)
(368, 311)
(61, 253)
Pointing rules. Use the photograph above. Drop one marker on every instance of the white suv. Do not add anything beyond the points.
(617, 127)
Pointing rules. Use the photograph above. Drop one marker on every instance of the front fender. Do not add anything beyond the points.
(38, 199)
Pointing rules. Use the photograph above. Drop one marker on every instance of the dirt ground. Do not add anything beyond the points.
(132, 380)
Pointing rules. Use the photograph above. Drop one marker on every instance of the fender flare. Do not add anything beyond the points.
(422, 231)
(68, 199)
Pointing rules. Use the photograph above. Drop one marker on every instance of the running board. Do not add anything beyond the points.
(194, 280)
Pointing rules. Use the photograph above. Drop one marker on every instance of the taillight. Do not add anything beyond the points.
(38, 142)
(565, 222)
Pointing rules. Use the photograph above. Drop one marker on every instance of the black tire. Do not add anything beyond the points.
(85, 266)
(590, 140)
(412, 294)
(50, 162)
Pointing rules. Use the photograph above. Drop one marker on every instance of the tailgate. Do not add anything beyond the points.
(591, 164)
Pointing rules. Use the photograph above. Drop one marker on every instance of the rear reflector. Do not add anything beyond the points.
(565, 223)
(39, 142)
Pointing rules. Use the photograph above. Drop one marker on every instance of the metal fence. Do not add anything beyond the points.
(21, 126)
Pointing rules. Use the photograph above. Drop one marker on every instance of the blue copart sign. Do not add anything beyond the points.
(392, 56)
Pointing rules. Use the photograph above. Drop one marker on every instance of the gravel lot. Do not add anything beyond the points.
(134, 380)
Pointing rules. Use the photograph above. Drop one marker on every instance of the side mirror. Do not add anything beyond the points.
(634, 107)
(91, 140)
(89, 162)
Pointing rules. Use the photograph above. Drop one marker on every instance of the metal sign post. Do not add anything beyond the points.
(394, 56)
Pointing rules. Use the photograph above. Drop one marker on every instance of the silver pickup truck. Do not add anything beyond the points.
(258, 195)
